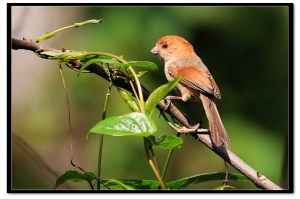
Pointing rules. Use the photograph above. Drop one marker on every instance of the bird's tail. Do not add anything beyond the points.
(216, 127)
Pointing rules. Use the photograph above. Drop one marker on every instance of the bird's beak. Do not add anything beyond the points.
(154, 50)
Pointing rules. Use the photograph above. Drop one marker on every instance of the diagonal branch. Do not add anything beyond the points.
(253, 175)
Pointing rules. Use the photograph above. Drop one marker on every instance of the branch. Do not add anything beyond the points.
(253, 175)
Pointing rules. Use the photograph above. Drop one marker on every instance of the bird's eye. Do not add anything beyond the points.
(165, 45)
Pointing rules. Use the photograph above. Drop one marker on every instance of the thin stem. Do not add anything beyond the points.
(154, 159)
(225, 182)
(147, 145)
(168, 161)
(139, 89)
(91, 185)
(167, 164)
(69, 111)
(52, 34)
(170, 152)
(101, 136)
(162, 185)
(100, 159)
(140, 96)
(135, 94)
(96, 178)
(108, 54)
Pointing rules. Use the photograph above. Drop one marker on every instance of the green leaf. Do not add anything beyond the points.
(135, 123)
(129, 100)
(146, 64)
(184, 182)
(160, 93)
(106, 59)
(141, 73)
(122, 185)
(74, 176)
(125, 66)
(92, 61)
(63, 56)
(110, 61)
(135, 184)
(223, 187)
(168, 141)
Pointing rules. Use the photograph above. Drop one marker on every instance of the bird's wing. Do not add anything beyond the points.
(197, 79)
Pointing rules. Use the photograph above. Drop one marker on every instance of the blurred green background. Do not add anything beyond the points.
(245, 49)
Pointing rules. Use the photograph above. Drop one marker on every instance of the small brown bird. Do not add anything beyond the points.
(197, 83)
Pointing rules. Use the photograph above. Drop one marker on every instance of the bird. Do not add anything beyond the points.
(197, 84)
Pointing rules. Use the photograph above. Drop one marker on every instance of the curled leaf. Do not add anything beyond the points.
(129, 100)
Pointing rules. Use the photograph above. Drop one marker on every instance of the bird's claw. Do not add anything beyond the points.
(167, 102)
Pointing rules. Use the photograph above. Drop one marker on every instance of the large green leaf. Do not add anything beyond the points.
(184, 182)
(135, 123)
(160, 93)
